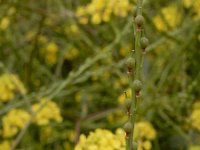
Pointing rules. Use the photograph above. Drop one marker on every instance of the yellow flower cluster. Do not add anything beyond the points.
(5, 145)
(4, 23)
(9, 85)
(144, 133)
(49, 112)
(102, 139)
(14, 121)
(102, 10)
(168, 19)
(51, 52)
(195, 116)
(195, 5)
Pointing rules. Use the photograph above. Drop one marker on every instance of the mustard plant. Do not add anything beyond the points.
(134, 67)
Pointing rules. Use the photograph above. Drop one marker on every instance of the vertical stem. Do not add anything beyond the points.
(137, 55)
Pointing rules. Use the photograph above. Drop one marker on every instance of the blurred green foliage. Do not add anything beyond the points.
(80, 66)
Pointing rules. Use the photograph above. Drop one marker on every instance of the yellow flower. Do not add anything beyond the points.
(193, 4)
(51, 53)
(81, 15)
(101, 10)
(122, 8)
(9, 85)
(48, 111)
(81, 11)
(159, 23)
(196, 6)
(169, 18)
(52, 48)
(187, 3)
(4, 23)
(144, 130)
(13, 121)
(96, 18)
(106, 15)
(5, 145)
(147, 145)
(102, 139)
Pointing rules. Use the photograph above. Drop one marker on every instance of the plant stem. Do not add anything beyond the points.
(138, 56)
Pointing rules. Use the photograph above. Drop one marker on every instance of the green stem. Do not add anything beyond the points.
(138, 58)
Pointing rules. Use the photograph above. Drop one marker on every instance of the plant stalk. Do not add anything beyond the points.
(136, 75)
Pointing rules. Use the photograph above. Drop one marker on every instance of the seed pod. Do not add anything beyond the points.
(130, 62)
(128, 104)
(139, 20)
(128, 127)
(137, 85)
(144, 42)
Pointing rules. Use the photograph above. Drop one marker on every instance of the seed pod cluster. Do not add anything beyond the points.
(135, 62)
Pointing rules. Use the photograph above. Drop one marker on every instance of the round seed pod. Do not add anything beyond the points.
(130, 62)
(144, 42)
(137, 85)
(128, 127)
(127, 103)
(139, 20)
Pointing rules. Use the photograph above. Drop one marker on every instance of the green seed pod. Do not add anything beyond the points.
(137, 85)
(128, 103)
(130, 62)
(128, 127)
(144, 42)
(139, 20)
